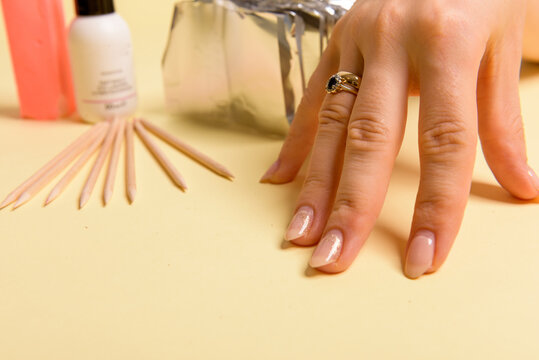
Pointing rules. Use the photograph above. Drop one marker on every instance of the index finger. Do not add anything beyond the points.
(300, 138)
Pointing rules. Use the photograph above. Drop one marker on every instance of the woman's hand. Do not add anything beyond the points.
(463, 58)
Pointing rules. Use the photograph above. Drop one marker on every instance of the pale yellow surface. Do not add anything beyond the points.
(204, 274)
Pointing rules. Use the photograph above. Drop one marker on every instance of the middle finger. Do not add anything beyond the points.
(374, 136)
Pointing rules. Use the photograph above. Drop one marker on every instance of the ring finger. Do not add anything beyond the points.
(318, 192)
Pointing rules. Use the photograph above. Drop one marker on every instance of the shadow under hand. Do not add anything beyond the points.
(287, 245)
(393, 238)
(528, 70)
(312, 272)
(496, 193)
(391, 243)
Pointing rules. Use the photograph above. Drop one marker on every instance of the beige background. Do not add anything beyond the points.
(204, 274)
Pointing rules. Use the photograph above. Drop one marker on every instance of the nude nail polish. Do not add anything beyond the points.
(328, 250)
(534, 177)
(300, 224)
(420, 254)
(269, 173)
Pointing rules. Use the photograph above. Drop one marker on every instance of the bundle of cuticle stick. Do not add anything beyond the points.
(107, 138)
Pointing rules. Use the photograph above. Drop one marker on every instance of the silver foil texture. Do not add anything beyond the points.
(245, 63)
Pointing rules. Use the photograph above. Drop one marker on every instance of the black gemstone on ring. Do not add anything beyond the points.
(333, 83)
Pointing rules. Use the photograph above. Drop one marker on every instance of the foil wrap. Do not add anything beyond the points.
(245, 63)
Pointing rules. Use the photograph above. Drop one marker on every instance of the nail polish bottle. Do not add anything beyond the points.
(38, 46)
(101, 56)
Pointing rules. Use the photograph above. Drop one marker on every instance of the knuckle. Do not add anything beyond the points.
(379, 24)
(439, 19)
(334, 114)
(444, 30)
(314, 92)
(367, 133)
(346, 205)
(314, 182)
(352, 20)
(516, 128)
(432, 205)
(375, 25)
(389, 18)
(503, 140)
(307, 107)
(340, 27)
(441, 199)
(350, 207)
(309, 95)
(447, 136)
(348, 24)
(510, 126)
(300, 135)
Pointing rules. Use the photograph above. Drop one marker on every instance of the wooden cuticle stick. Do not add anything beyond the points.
(160, 156)
(49, 175)
(94, 173)
(73, 171)
(113, 162)
(188, 150)
(130, 176)
(15, 194)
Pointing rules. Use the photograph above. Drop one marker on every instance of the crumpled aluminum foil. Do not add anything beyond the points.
(245, 63)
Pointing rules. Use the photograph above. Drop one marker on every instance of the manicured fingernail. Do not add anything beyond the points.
(328, 250)
(300, 224)
(269, 173)
(420, 254)
(534, 177)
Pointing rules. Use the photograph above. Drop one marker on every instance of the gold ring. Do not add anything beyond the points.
(343, 81)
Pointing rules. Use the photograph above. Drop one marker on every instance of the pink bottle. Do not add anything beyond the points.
(38, 43)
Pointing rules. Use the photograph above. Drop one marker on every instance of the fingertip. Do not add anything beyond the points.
(534, 179)
(300, 224)
(279, 173)
(332, 268)
(420, 254)
(268, 175)
(522, 182)
(328, 250)
(304, 228)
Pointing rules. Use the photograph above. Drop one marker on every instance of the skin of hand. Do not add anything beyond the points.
(531, 32)
(462, 57)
